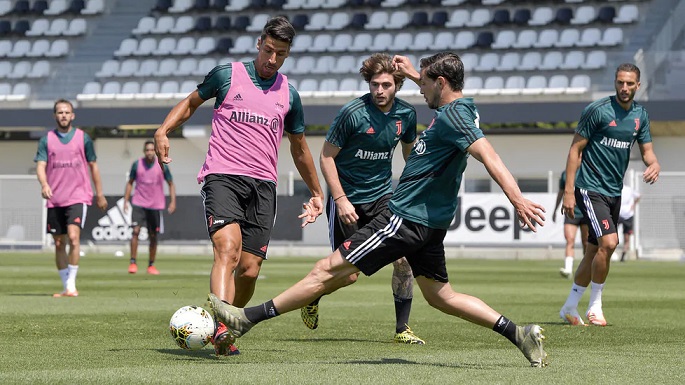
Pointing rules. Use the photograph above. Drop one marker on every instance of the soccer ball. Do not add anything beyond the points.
(191, 327)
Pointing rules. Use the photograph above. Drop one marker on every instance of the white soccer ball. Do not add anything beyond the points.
(191, 327)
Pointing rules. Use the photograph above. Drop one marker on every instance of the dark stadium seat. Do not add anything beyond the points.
(418, 20)
(200, 5)
(439, 19)
(223, 23)
(606, 15)
(39, 7)
(21, 7)
(241, 22)
(484, 40)
(162, 5)
(563, 16)
(219, 5)
(257, 4)
(354, 4)
(203, 24)
(223, 45)
(521, 17)
(501, 17)
(5, 27)
(75, 7)
(373, 3)
(299, 21)
(358, 21)
(275, 4)
(20, 27)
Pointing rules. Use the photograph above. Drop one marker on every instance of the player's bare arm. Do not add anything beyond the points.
(530, 213)
(572, 164)
(651, 174)
(345, 209)
(172, 197)
(127, 194)
(302, 157)
(405, 67)
(176, 117)
(97, 181)
(45, 190)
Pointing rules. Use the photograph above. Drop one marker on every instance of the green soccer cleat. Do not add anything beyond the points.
(310, 316)
(231, 316)
(408, 337)
(529, 340)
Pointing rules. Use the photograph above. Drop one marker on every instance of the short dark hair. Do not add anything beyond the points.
(447, 65)
(149, 141)
(279, 28)
(628, 67)
(380, 63)
(62, 101)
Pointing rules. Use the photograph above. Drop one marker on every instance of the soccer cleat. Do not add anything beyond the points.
(408, 337)
(233, 317)
(152, 270)
(132, 268)
(223, 342)
(571, 316)
(66, 293)
(310, 316)
(529, 340)
(596, 318)
(565, 273)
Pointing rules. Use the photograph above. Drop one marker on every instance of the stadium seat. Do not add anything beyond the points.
(109, 89)
(162, 6)
(535, 85)
(333, 4)
(147, 67)
(294, 4)
(377, 20)
(183, 46)
(300, 21)
(328, 86)
(444, 40)
(39, 48)
(361, 42)
(5, 69)
(223, 46)
(573, 60)
(20, 91)
(579, 84)
(606, 15)
(341, 42)
(547, 38)
(39, 7)
(628, 13)
(21, 27)
(126, 47)
(146, 46)
(305, 65)
(418, 20)
(243, 44)
(187, 86)
(397, 20)
(509, 61)
(501, 17)
(127, 68)
(488, 62)
(484, 40)
(167, 90)
(423, 41)
(90, 89)
(38, 28)
(237, 5)
(186, 67)
(348, 85)
(458, 18)
(492, 86)
(164, 25)
(241, 22)
(612, 36)
(525, 39)
(470, 61)
(222, 24)
(472, 85)
(345, 64)
(301, 43)
(148, 90)
(77, 27)
(5, 7)
(204, 66)
(109, 68)
(338, 21)
(504, 40)
(438, 19)
(541, 16)
(75, 7)
(324, 65)
(514, 85)
(557, 85)
(448, 3)
(204, 46)
(584, 14)
(308, 85)
(563, 16)
(93, 7)
(589, 38)
(128, 90)
(145, 26)
(464, 40)
(20, 49)
(317, 22)
(479, 18)
(6, 27)
(321, 43)
(180, 6)
(165, 46)
(568, 38)
(595, 60)
(530, 61)
(200, 5)
(258, 22)
(402, 41)
(521, 17)
(381, 42)
(57, 7)
(552, 60)
(58, 27)
(358, 21)
(20, 70)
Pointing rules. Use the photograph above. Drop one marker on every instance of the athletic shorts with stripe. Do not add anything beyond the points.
(627, 224)
(339, 231)
(150, 218)
(388, 237)
(575, 221)
(60, 217)
(240, 199)
(600, 211)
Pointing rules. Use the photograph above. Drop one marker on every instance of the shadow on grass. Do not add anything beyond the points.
(399, 361)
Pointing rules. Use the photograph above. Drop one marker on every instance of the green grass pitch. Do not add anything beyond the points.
(116, 331)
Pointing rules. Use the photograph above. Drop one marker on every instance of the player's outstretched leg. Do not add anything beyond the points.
(529, 340)
(231, 316)
(310, 314)
(408, 337)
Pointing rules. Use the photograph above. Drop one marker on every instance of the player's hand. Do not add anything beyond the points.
(531, 214)
(172, 207)
(102, 202)
(46, 192)
(651, 174)
(403, 66)
(568, 205)
(346, 211)
(312, 210)
(162, 149)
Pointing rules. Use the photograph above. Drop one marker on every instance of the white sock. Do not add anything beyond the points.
(574, 296)
(595, 297)
(71, 281)
(568, 263)
(64, 274)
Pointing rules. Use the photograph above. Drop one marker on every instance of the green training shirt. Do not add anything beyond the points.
(562, 185)
(218, 81)
(611, 132)
(427, 192)
(42, 153)
(367, 138)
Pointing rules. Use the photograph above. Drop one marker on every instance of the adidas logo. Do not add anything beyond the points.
(347, 244)
(612, 124)
(370, 131)
(115, 225)
(238, 98)
(263, 249)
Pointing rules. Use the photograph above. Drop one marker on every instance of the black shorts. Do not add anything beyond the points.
(577, 221)
(150, 218)
(627, 224)
(388, 238)
(601, 212)
(249, 202)
(60, 217)
(339, 231)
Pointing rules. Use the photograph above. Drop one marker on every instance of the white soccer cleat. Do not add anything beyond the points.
(571, 316)
(596, 317)
(565, 273)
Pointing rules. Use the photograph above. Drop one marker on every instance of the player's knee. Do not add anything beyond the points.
(227, 253)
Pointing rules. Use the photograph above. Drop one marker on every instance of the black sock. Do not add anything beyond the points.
(623, 256)
(150, 263)
(402, 309)
(259, 313)
(133, 260)
(506, 328)
(315, 302)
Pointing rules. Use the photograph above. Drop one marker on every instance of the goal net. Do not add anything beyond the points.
(660, 216)
(22, 213)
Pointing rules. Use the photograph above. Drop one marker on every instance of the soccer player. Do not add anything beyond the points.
(606, 132)
(356, 161)
(418, 215)
(629, 199)
(571, 226)
(254, 105)
(64, 156)
(148, 202)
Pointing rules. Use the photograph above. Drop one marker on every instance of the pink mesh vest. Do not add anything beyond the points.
(247, 129)
(149, 191)
(67, 171)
